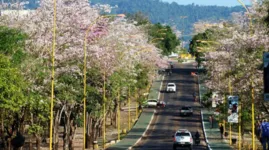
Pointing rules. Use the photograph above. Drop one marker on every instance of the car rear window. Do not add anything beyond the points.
(185, 108)
(182, 134)
(152, 101)
(170, 85)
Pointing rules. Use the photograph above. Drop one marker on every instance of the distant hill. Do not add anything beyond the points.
(172, 13)
(183, 16)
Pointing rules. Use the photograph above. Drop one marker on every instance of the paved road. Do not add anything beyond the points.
(167, 120)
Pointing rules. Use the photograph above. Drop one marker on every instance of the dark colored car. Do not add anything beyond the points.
(185, 110)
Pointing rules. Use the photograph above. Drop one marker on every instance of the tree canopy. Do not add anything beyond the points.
(164, 38)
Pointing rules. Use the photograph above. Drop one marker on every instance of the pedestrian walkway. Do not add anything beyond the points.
(142, 123)
(213, 137)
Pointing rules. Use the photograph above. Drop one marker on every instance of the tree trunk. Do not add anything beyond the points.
(56, 129)
(66, 131)
(38, 142)
(2, 121)
(100, 129)
(93, 130)
(89, 140)
(30, 143)
(89, 130)
(73, 128)
(9, 143)
(114, 115)
(71, 145)
(111, 118)
(2, 130)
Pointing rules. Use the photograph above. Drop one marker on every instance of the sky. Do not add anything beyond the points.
(210, 2)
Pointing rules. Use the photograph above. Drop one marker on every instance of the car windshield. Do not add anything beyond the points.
(170, 85)
(182, 134)
(152, 101)
(185, 108)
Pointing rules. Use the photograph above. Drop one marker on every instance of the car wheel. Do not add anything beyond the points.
(174, 147)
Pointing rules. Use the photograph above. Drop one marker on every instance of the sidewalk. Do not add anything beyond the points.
(246, 141)
(212, 135)
(142, 123)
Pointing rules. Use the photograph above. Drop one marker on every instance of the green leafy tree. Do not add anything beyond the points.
(94, 104)
(142, 82)
(164, 38)
(12, 97)
(139, 17)
(68, 91)
(38, 107)
(13, 86)
(12, 43)
(207, 41)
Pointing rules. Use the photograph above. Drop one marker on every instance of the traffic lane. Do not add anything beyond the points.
(188, 87)
(167, 121)
(159, 135)
(156, 136)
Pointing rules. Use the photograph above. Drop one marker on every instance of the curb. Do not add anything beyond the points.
(150, 118)
(160, 88)
(208, 146)
(144, 131)
(202, 115)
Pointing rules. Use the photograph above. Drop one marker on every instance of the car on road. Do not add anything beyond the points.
(171, 87)
(185, 110)
(182, 138)
(152, 103)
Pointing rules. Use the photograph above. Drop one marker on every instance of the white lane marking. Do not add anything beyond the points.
(160, 89)
(203, 123)
(150, 118)
(144, 131)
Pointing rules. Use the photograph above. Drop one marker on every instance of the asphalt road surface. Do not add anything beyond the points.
(167, 120)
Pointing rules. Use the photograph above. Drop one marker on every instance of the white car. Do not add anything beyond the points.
(182, 138)
(152, 103)
(171, 87)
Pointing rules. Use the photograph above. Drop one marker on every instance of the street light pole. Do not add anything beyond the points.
(129, 109)
(252, 115)
(136, 105)
(118, 114)
(84, 80)
(230, 92)
(52, 72)
(104, 111)
(129, 105)
(85, 77)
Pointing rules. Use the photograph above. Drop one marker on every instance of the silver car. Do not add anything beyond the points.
(185, 110)
(183, 138)
(152, 103)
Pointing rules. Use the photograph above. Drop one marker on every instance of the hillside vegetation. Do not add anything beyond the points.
(183, 16)
(173, 14)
